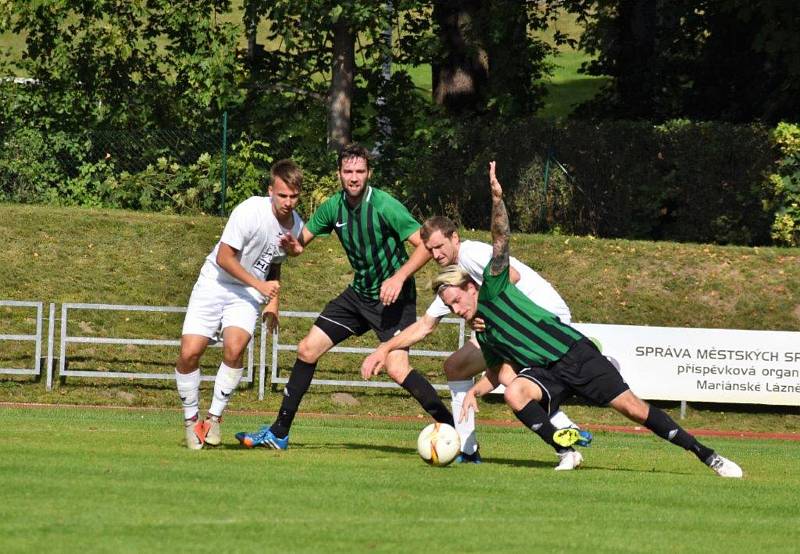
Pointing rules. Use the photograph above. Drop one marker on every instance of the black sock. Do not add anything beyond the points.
(424, 393)
(533, 416)
(293, 392)
(666, 428)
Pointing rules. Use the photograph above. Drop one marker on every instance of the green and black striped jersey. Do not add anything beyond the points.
(372, 235)
(517, 329)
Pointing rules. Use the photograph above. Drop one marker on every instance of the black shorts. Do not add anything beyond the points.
(582, 371)
(351, 314)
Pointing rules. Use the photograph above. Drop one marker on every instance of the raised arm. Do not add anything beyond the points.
(501, 230)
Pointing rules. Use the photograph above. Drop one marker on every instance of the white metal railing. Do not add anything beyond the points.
(66, 340)
(278, 347)
(36, 338)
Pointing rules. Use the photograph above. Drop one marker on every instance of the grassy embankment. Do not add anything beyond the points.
(79, 255)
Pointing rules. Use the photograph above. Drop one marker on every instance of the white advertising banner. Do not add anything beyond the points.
(703, 365)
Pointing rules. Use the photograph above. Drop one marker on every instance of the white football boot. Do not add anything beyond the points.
(570, 460)
(724, 467)
(208, 431)
(193, 442)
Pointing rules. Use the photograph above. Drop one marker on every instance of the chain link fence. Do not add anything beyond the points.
(680, 181)
(168, 170)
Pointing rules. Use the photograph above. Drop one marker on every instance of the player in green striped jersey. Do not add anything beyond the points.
(552, 360)
(372, 227)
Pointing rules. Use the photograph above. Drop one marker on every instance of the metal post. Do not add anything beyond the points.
(51, 326)
(224, 177)
(542, 212)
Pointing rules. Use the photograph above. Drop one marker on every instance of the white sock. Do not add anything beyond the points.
(466, 428)
(561, 421)
(189, 391)
(226, 382)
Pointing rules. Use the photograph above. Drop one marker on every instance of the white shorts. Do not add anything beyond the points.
(214, 305)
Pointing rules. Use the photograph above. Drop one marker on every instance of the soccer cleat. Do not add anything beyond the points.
(566, 437)
(586, 438)
(725, 467)
(208, 431)
(193, 442)
(474, 458)
(264, 437)
(570, 460)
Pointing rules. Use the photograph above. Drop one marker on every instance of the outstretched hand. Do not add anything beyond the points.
(373, 364)
(494, 184)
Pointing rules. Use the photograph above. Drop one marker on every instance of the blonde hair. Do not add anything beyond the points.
(450, 276)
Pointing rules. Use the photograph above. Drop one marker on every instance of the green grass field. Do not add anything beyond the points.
(100, 480)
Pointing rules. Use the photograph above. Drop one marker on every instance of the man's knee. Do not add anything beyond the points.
(631, 406)
(397, 366)
(233, 356)
(520, 392)
(188, 361)
(191, 351)
(310, 350)
(451, 369)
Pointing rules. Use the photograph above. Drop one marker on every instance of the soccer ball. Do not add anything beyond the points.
(438, 444)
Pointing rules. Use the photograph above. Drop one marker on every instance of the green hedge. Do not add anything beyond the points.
(682, 181)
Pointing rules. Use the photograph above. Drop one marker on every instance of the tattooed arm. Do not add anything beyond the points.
(500, 226)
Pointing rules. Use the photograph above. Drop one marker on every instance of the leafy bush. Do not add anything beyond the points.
(783, 186)
(166, 186)
(542, 197)
(247, 171)
(30, 169)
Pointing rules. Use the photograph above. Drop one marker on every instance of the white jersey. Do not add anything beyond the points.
(254, 231)
(474, 256)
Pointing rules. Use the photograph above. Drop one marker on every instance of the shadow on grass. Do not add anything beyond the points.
(404, 451)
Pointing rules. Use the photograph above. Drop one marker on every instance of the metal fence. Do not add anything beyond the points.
(66, 340)
(268, 368)
(35, 338)
(277, 347)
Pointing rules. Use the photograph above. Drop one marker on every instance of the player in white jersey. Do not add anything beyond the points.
(440, 237)
(240, 273)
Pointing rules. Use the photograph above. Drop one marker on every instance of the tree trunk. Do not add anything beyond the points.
(251, 27)
(341, 91)
(384, 123)
(460, 77)
(636, 81)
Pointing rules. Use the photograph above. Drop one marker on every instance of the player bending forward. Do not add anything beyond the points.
(440, 237)
(554, 360)
(242, 271)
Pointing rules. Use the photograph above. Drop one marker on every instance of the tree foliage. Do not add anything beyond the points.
(123, 64)
(732, 60)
